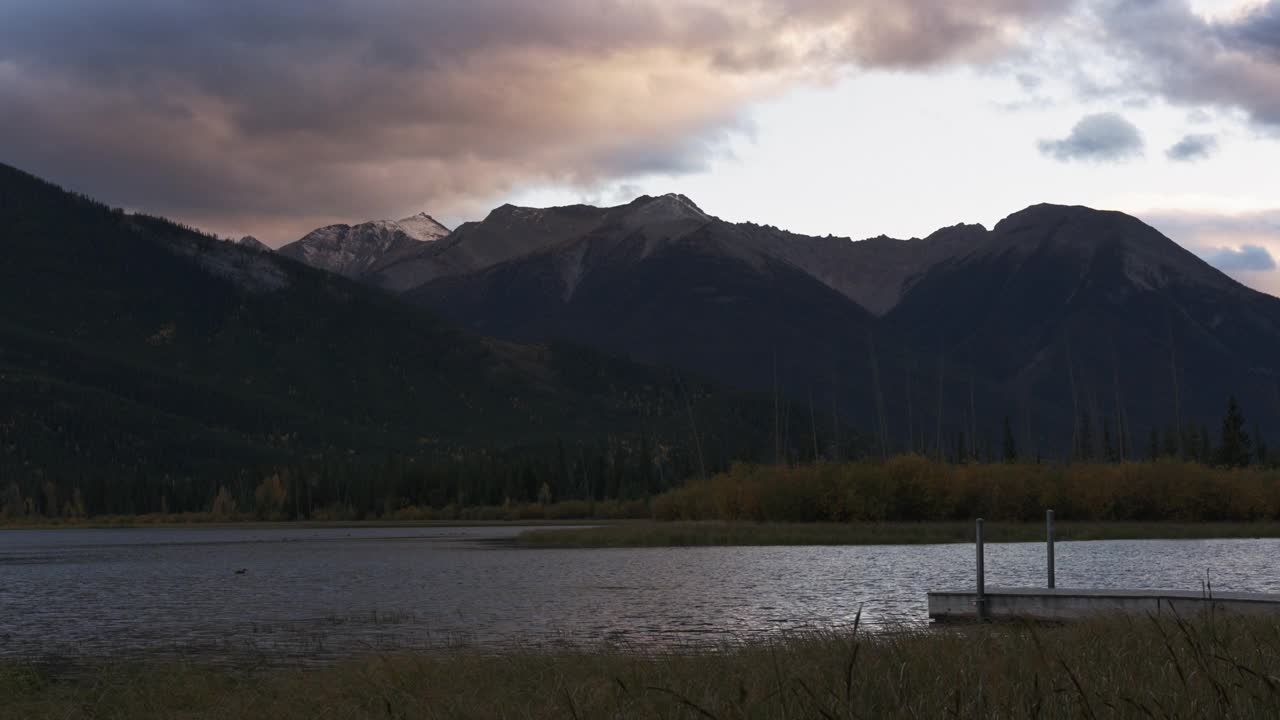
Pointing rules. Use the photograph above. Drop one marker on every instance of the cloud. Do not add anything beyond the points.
(1198, 116)
(1029, 81)
(1104, 137)
(1193, 147)
(1243, 245)
(1245, 258)
(1206, 227)
(1229, 61)
(275, 117)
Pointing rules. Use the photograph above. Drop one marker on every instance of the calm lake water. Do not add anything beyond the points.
(315, 593)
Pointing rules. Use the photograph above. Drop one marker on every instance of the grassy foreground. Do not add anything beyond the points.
(1112, 668)
(684, 534)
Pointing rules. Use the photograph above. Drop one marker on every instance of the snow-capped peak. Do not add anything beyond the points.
(423, 227)
(664, 210)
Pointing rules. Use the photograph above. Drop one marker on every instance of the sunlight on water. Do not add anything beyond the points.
(316, 593)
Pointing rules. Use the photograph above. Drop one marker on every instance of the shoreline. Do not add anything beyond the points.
(139, 522)
(587, 533)
(709, 534)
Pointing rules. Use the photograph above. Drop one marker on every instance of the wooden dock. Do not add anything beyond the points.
(1052, 604)
(1044, 604)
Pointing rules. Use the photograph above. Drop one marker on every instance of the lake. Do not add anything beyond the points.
(315, 593)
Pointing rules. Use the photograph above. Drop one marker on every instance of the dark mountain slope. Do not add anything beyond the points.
(1056, 297)
(133, 347)
(968, 325)
(710, 300)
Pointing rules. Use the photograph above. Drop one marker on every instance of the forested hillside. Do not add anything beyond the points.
(144, 365)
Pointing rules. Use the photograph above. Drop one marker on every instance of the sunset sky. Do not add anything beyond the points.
(849, 117)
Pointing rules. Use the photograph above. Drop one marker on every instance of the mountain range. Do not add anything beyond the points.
(139, 357)
(1078, 329)
(359, 251)
(137, 344)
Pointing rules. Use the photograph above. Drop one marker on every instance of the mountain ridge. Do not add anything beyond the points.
(354, 250)
(1037, 311)
(1055, 314)
(138, 349)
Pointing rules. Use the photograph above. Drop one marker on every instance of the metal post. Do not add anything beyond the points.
(1048, 522)
(982, 577)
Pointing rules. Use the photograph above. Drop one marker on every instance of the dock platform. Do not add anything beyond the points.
(1062, 604)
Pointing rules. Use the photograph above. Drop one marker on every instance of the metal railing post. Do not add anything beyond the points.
(1048, 523)
(982, 576)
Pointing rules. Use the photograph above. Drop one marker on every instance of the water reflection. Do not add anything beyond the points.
(335, 591)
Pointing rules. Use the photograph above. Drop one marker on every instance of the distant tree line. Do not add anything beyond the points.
(621, 467)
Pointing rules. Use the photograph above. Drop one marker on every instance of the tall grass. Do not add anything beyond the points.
(1138, 667)
(914, 489)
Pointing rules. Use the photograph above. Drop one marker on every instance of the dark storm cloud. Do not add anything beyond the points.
(1188, 59)
(1193, 147)
(1246, 258)
(1105, 137)
(272, 117)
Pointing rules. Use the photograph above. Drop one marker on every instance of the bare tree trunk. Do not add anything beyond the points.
(1177, 397)
(1075, 406)
(777, 431)
(879, 396)
(973, 415)
(941, 359)
(911, 423)
(786, 435)
(813, 422)
(1121, 433)
(693, 423)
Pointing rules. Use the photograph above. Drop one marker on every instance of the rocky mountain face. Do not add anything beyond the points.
(253, 243)
(657, 280)
(872, 273)
(356, 251)
(1056, 317)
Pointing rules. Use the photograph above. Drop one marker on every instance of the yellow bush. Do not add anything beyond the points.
(912, 488)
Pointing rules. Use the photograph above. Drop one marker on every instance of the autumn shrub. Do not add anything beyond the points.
(915, 489)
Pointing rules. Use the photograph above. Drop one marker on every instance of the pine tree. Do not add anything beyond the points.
(1108, 450)
(1235, 449)
(1154, 449)
(1259, 446)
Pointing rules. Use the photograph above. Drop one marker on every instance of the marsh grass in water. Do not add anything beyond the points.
(689, 534)
(1132, 667)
